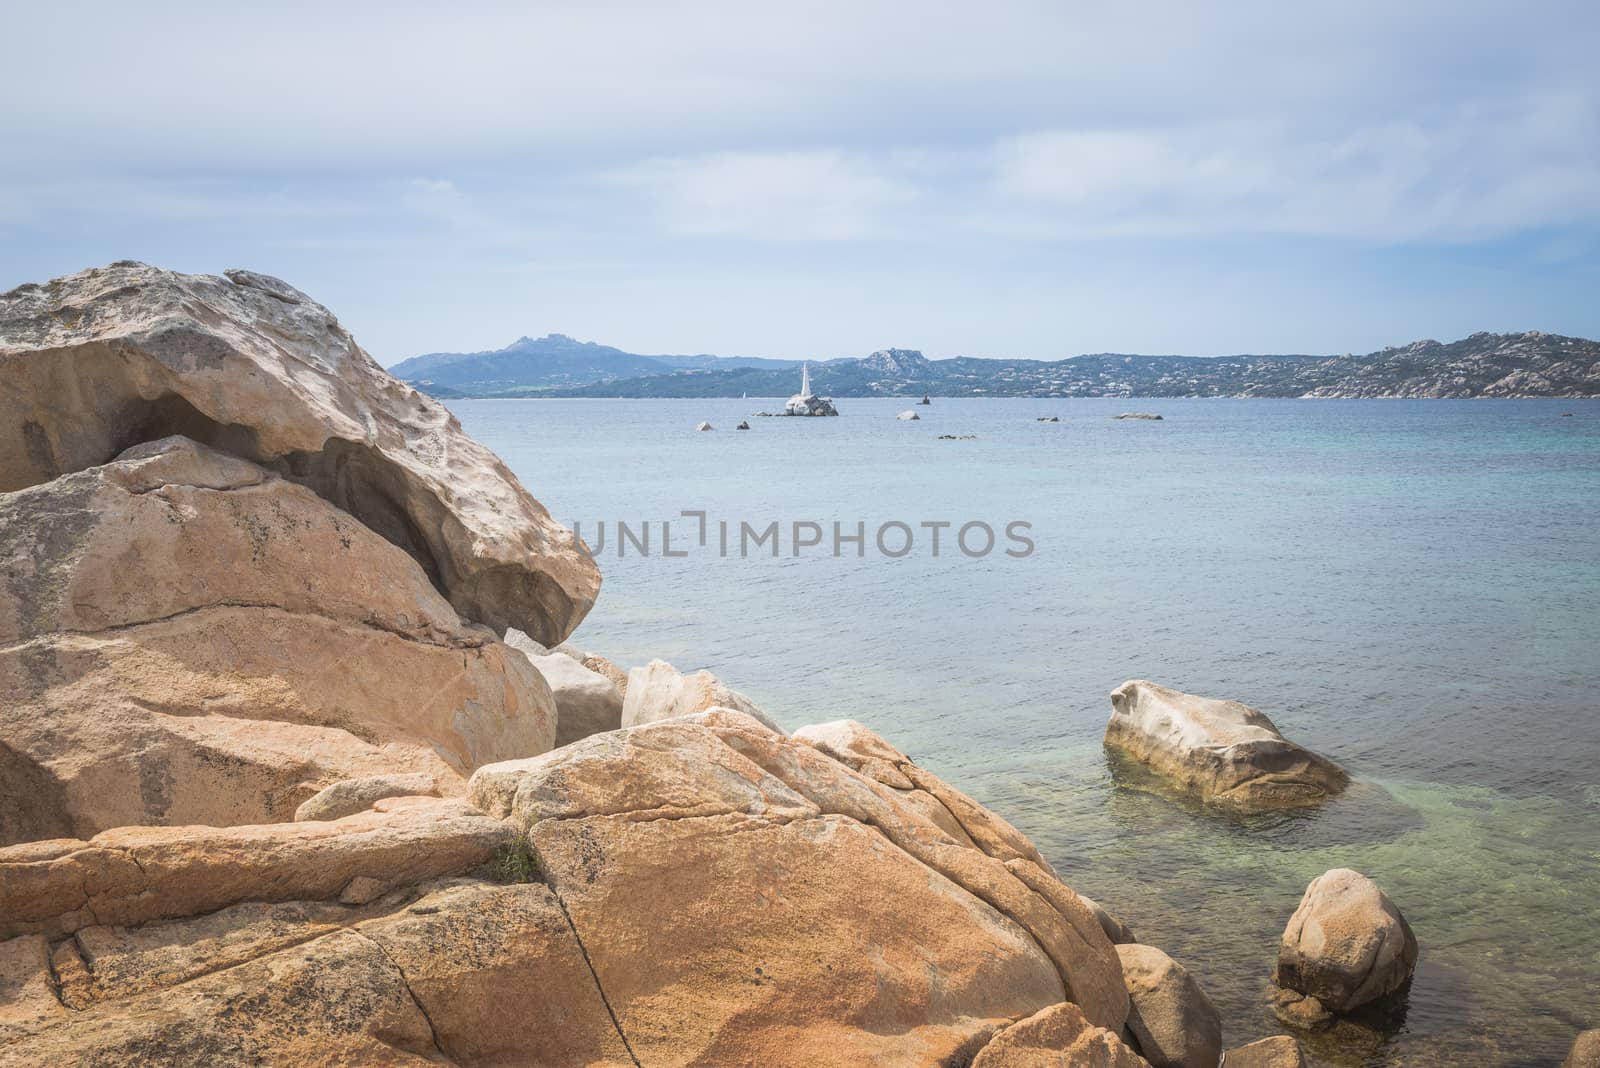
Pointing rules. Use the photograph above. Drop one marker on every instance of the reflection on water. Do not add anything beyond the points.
(1406, 587)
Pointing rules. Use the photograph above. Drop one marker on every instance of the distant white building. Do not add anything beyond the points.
(806, 402)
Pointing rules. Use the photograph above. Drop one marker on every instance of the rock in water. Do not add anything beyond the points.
(1585, 1051)
(1171, 1018)
(743, 425)
(1347, 944)
(659, 691)
(752, 871)
(587, 701)
(1057, 1037)
(186, 637)
(110, 357)
(705, 426)
(1138, 415)
(1279, 1051)
(1221, 750)
(908, 416)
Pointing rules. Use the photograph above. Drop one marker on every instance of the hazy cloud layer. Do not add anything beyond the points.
(1015, 179)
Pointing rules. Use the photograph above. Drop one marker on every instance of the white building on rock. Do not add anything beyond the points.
(806, 402)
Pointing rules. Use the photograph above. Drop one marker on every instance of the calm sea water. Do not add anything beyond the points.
(1411, 587)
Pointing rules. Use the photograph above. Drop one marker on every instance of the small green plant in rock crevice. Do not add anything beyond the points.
(516, 862)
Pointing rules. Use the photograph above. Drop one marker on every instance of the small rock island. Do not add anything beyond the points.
(1223, 751)
(806, 402)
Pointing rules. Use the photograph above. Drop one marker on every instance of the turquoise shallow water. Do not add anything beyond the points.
(1411, 587)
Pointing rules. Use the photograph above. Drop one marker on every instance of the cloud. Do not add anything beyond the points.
(1478, 174)
(823, 195)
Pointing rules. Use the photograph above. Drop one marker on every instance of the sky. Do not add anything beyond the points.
(827, 179)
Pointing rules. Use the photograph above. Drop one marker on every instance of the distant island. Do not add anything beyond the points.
(1530, 364)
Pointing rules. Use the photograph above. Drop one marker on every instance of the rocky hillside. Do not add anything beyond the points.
(532, 365)
(1483, 365)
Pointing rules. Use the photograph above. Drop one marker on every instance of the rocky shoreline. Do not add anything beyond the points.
(298, 767)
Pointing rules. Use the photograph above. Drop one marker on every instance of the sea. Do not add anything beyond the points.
(1409, 587)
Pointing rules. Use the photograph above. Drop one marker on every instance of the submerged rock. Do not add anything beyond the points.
(1048, 419)
(1347, 944)
(187, 637)
(1279, 1051)
(1171, 1018)
(1221, 750)
(111, 357)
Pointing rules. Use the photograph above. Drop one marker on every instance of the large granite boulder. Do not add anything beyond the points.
(793, 909)
(107, 358)
(1172, 1020)
(1221, 750)
(1056, 1037)
(1347, 944)
(187, 637)
(659, 691)
(587, 701)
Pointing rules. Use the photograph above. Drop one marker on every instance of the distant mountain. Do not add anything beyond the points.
(1483, 365)
(530, 365)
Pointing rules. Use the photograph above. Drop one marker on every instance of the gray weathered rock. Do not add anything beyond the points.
(109, 357)
(908, 416)
(587, 702)
(1347, 943)
(1171, 1018)
(350, 796)
(1222, 750)
(659, 691)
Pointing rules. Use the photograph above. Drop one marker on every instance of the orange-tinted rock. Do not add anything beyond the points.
(188, 638)
(1056, 1037)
